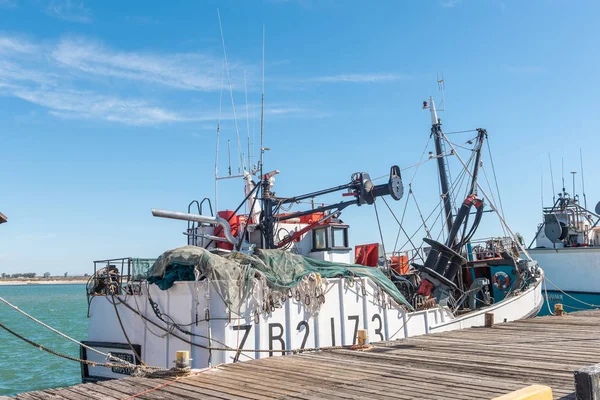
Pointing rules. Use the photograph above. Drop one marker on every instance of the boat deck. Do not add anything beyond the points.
(476, 363)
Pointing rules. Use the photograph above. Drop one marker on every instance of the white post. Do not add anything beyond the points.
(434, 118)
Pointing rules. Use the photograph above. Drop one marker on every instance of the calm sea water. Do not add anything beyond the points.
(22, 366)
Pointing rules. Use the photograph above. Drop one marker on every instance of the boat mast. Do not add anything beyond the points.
(267, 203)
(481, 133)
(436, 132)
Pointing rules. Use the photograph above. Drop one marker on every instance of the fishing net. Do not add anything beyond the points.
(235, 274)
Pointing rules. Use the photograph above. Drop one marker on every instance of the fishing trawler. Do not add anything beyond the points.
(271, 282)
(567, 242)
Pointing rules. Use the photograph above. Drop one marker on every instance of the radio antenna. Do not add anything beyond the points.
(262, 106)
(542, 185)
(229, 155)
(582, 180)
(552, 179)
(562, 161)
(237, 132)
(441, 87)
(218, 137)
(247, 125)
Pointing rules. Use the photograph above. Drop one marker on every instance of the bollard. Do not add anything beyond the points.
(587, 383)
(559, 310)
(533, 392)
(182, 359)
(363, 337)
(489, 319)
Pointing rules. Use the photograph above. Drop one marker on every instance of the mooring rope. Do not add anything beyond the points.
(568, 295)
(56, 353)
(139, 356)
(108, 356)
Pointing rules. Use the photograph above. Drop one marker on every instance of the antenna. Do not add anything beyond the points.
(247, 124)
(218, 136)
(254, 134)
(542, 184)
(582, 180)
(562, 161)
(441, 87)
(573, 173)
(237, 132)
(229, 155)
(262, 106)
(552, 178)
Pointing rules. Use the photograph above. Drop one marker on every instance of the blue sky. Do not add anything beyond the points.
(110, 108)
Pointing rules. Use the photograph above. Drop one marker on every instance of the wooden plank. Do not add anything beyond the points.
(108, 392)
(90, 391)
(465, 364)
(224, 381)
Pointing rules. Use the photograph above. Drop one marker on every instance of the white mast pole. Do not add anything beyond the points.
(434, 118)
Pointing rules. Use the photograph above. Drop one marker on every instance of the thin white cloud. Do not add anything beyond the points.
(359, 78)
(12, 73)
(77, 78)
(190, 71)
(74, 104)
(15, 44)
(69, 10)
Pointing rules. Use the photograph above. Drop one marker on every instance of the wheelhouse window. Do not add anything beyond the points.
(339, 237)
(320, 239)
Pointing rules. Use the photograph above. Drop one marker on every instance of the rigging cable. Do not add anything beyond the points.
(492, 193)
(237, 132)
(493, 206)
(139, 357)
(495, 178)
(401, 227)
(410, 190)
(452, 133)
(421, 215)
(403, 214)
(385, 263)
(460, 176)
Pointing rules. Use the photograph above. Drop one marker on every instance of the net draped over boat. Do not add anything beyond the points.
(234, 274)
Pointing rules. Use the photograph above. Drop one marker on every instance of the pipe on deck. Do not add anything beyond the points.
(205, 219)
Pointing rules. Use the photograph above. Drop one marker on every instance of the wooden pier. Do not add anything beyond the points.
(476, 363)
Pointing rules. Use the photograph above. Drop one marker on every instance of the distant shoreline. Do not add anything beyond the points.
(43, 281)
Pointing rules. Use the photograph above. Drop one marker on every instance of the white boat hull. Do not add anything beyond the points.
(571, 269)
(346, 309)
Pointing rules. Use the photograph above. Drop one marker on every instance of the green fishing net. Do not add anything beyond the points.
(234, 273)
